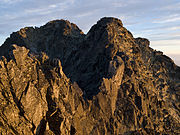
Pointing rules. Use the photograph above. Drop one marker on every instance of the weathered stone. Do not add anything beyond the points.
(56, 80)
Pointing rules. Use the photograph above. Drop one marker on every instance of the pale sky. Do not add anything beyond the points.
(157, 20)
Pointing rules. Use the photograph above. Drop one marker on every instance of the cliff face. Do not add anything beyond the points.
(57, 80)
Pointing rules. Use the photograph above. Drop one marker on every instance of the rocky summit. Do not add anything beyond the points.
(57, 80)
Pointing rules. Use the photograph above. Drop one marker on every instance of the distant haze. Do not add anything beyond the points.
(157, 20)
(175, 57)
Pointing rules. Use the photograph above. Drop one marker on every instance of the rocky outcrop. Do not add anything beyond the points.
(57, 80)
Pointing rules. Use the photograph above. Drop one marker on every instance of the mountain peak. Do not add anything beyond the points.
(105, 23)
(57, 80)
(110, 20)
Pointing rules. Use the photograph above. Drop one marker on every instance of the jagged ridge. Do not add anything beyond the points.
(117, 84)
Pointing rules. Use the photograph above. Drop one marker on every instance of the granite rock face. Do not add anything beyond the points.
(57, 80)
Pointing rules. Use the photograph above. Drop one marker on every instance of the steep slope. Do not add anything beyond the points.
(57, 80)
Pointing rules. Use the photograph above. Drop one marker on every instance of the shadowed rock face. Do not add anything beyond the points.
(57, 80)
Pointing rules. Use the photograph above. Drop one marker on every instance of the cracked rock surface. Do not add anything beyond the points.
(57, 80)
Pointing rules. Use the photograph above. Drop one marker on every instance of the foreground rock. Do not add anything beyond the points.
(57, 80)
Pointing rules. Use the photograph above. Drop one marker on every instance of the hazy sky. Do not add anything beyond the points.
(157, 20)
